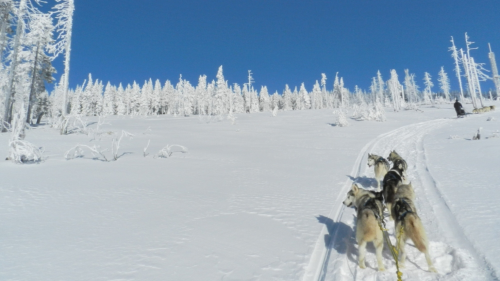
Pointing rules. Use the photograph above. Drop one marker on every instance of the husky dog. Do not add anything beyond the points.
(381, 167)
(392, 180)
(394, 157)
(405, 216)
(369, 211)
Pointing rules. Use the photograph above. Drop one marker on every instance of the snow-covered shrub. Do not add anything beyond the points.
(491, 118)
(167, 151)
(478, 135)
(495, 134)
(79, 151)
(379, 113)
(21, 151)
(341, 118)
(275, 111)
(116, 144)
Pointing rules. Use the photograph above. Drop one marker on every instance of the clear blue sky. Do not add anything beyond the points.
(282, 42)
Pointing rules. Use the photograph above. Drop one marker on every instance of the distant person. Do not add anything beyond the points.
(459, 109)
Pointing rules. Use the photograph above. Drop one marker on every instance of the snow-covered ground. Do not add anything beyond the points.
(260, 199)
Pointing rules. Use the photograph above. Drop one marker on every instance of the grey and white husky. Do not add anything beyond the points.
(396, 159)
(381, 167)
(369, 211)
(405, 215)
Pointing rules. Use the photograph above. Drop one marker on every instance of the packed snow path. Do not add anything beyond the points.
(453, 254)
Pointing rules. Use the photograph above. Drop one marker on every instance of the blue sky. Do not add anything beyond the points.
(282, 42)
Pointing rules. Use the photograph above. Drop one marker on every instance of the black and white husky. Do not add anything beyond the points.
(406, 217)
(381, 167)
(390, 184)
(369, 212)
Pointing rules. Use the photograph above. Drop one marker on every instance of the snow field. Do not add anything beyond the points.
(247, 202)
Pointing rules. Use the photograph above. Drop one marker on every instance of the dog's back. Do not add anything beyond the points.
(407, 220)
(405, 191)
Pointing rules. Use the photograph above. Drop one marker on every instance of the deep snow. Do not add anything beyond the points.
(257, 200)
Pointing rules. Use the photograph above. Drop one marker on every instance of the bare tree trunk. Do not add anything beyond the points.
(67, 57)
(7, 118)
(32, 91)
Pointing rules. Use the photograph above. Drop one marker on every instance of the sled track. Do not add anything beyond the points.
(454, 256)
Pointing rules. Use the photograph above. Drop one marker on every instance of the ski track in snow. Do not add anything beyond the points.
(452, 253)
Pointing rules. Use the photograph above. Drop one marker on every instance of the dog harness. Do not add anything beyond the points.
(382, 160)
(404, 205)
(395, 175)
(371, 204)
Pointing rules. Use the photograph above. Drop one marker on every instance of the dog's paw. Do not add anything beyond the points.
(433, 269)
(362, 265)
(381, 269)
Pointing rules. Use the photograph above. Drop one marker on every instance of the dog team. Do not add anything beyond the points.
(398, 198)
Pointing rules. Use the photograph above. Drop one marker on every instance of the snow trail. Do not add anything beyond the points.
(452, 253)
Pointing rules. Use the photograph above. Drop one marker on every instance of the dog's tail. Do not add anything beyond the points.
(415, 231)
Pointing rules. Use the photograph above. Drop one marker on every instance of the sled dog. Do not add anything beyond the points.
(390, 184)
(394, 157)
(381, 167)
(406, 217)
(369, 211)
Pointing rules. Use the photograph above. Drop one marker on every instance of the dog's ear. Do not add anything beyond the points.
(355, 188)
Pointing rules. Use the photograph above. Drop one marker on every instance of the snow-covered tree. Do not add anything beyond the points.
(265, 102)
(454, 55)
(428, 87)
(411, 87)
(9, 92)
(305, 99)
(444, 82)
(395, 89)
(64, 14)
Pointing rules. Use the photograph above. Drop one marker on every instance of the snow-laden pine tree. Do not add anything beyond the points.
(395, 90)
(9, 90)
(316, 97)
(254, 100)
(64, 15)
(381, 87)
(220, 95)
(168, 97)
(428, 88)
(135, 94)
(454, 55)
(247, 98)
(145, 97)
(155, 99)
(120, 99)
(444, 82)
(238, 101)
(6, 11)
(287, 99)
(337, 92)
(411, 88)
(265, 101)
(187, 98)
(108, 100)
(305, 99)
(35, 58)
(202, 95)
